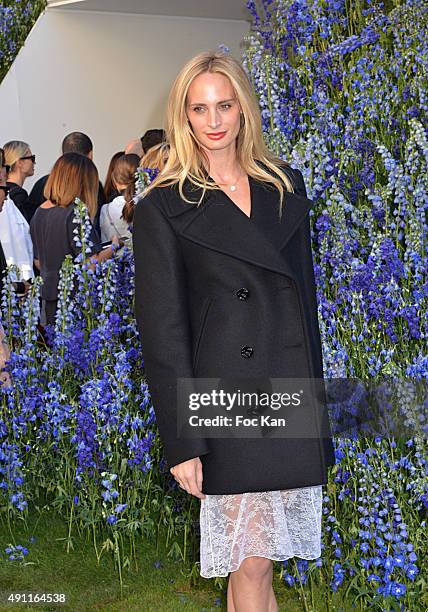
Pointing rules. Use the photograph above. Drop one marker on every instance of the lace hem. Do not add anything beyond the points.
(277, 525)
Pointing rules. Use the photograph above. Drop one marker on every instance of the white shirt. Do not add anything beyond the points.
(16, 240)
(111, 223)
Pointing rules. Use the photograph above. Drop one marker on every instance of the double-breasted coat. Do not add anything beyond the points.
(219, 294)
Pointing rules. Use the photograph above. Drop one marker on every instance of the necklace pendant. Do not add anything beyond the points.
(233, 188)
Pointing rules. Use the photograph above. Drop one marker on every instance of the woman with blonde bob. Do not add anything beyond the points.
(225, 290)
(20, 163)
(52, 227)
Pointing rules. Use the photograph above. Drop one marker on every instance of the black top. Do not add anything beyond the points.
(37, 197)
(21, 200)
(53, 239)
(3, 267)
(111, 195)
(101, 202)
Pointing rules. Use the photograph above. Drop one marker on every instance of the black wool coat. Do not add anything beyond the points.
(218, 295)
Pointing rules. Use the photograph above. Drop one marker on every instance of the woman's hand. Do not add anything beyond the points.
(107, 253)
(116, 241)
(189, 476)
(4, 358)
(5, 380)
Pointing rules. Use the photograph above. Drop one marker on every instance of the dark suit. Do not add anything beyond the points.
(222, 295)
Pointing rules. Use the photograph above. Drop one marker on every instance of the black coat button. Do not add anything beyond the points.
(247, 351)
(242, 294)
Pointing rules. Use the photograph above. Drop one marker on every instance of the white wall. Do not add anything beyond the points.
(105, 74)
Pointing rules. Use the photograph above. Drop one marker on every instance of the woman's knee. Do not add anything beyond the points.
(255, 568)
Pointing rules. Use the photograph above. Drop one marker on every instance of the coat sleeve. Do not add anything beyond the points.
(310, 292)
(161, 310)
(299, 182)
(306, 258)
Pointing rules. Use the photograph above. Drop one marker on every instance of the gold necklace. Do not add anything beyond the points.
(233, 186)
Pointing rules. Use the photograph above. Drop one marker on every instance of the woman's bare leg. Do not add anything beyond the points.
(230, 602)
(250, 587)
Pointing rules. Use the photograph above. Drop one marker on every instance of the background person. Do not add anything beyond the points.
(140, 146)
(155, 159)
(75, 142)
(152, 138)
(16, 241)
(134, 147)
(52, 227)
(4, 348)
(112, 222)
(110, 191)
(4, 190)
(16, 246)
(20, 162)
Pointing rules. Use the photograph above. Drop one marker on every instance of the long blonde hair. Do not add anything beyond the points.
(186, 158)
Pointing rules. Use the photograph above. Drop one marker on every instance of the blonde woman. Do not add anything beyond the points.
(225, 290)
(4, 348)
(14, 230)
(20, 162)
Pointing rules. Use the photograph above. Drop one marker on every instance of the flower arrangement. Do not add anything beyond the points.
(342, 87)
(17, 17)
(77, 429)
(343, 92)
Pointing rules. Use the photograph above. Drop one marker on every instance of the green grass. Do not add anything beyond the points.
(48, 568)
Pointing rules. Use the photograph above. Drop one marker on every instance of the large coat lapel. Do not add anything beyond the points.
(220, 225)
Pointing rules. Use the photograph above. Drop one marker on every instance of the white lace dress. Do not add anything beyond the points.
(273, 524)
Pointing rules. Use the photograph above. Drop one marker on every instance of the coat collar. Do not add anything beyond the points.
(220, 225)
